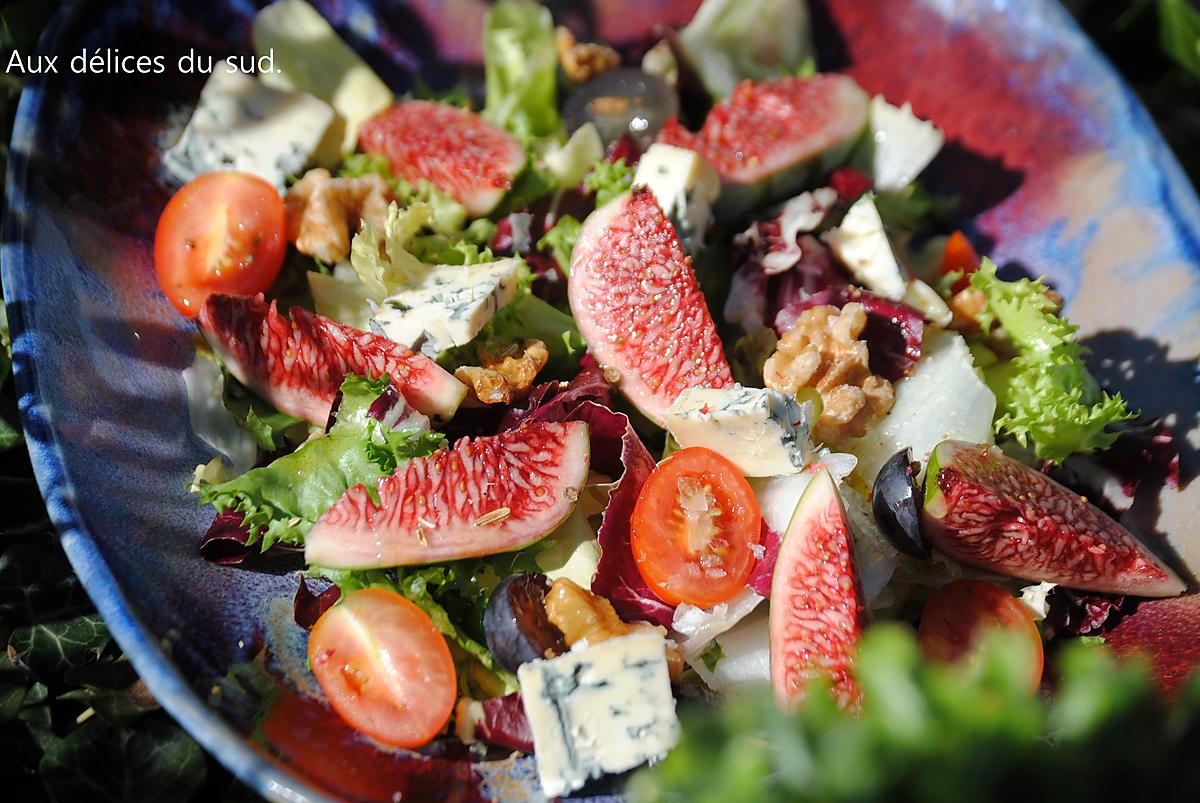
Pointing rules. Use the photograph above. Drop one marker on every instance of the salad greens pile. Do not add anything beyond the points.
(281, 501)
(1045, 395)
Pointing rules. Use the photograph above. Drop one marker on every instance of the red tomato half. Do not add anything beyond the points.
(960, 255)
(384, 667)
(959, 612)
(693, 528)
(220, 233)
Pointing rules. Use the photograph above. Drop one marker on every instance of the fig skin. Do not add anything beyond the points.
(515, 622)
(894, 503)
(989, 511)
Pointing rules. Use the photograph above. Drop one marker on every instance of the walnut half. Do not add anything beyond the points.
(584, 616)
(506, 371)
(583, 61)
(822, 351)
(324, 212)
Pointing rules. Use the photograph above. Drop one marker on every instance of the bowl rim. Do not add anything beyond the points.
(251, 764)
(160, 674)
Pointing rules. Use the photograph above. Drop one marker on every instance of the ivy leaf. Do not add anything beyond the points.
(54, 649)
(36, 583)
(116, 706)
(35, 715)
(153, 760)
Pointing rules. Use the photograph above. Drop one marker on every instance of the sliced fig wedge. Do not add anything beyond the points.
(770, 138)
(639, 306)
(484, 496)
(299, 365)
(454, 149)
(987, 510)
(817, 605)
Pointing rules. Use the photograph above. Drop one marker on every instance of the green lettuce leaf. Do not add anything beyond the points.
(447, 216)
(382, 259)
(271, 429)
(340, 295)
(733, 40)
(608, 180)
(1045, 396)
(560, 241)
(567, 164)
(283, 500)
(521, 69)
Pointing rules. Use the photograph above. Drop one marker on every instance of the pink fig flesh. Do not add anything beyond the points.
(817, 606)
(990, 511)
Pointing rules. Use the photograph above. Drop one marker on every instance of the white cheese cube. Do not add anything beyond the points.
(697, 627)
(242, 124)
(863, 246)
(904, 145)
(745, 655)
(943, 398)
(568, 164)
(685, 186)
(310, 57)
(448, 307)
(606, 708)
(764, 433)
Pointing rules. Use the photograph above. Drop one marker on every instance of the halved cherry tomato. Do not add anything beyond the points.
(960, 255)
(958, 613)
(384, 667)
(694, 527)
(220, 233)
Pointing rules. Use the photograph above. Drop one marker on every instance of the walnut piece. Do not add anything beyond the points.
(506, 370)
(582, 615)
(583, 61)
(323, 212)
(967, 305)
(822, 351)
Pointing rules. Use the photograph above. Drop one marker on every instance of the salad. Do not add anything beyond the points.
(646, 374)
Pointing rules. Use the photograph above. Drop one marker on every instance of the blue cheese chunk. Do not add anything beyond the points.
(861, 243)
(242, 124)
(764, 433)
(448, 306)
(602, 709)
(685, 186)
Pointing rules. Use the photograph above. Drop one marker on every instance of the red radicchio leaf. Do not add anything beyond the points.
(759, 292)
(617, 576)
(225, 541)
(1079, 612)
(617, 452)
(504, 723)
(625, 147)
(1146, 454)
(764, 570)
(850, 183)
(308, 607)
(551, 401)
(894, 330)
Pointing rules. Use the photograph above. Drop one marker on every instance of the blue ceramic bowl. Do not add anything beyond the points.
(1060, 170)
